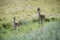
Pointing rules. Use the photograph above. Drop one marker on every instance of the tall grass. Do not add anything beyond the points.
(50, 31)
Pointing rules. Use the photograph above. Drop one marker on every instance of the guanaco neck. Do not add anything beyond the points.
(14, 21)
(39, 12)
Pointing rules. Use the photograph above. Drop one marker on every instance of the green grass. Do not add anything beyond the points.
(26, 10)
(49, 31)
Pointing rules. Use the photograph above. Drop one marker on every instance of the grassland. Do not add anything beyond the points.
(50, 31)
(25, 11)
(27, 8)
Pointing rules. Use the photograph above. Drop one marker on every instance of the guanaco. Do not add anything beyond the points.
(41, 16)
(15, 24)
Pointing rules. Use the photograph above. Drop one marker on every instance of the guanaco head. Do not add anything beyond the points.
(14, 18)
(38, 9)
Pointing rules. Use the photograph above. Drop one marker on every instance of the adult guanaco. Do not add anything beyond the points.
(41, 16)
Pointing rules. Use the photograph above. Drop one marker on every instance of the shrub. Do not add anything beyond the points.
(47, 19)
(50, 19)
(6, 25)
(0, 19)
(54, 19)
(0, 26)
(35, 20)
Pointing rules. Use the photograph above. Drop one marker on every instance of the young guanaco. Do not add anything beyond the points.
(15, 24)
